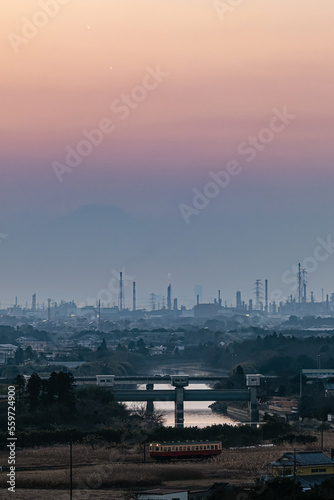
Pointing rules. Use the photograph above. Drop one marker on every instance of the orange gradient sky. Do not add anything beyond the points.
(225, 76)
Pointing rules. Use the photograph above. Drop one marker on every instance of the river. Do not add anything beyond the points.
(196, 413)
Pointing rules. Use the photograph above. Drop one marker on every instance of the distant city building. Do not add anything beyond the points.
(205, 310)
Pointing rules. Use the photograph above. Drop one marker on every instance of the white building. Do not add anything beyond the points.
(163, 494)
(105, 380)
(7, 351)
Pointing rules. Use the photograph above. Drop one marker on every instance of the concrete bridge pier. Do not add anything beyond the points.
(252, 382)
(253, 408)
(149, 404)
(179, 407)
(179, 382)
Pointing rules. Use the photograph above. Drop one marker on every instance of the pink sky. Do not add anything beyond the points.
(225, 77)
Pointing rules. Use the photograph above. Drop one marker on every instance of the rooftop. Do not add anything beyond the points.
(161, 491)
(304, 458)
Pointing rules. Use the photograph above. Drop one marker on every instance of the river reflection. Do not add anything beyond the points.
(196, 413)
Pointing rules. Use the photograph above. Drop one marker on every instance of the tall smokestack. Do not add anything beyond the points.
(121, 291)
(169, 297)
(266, 296)
(49, 310)
(175, 304)
(33, 303)
(238, 299)
(99, 318)
(219, 299)
(134, 296)
(197, 299)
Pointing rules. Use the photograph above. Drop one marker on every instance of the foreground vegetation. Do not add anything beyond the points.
(100, 467)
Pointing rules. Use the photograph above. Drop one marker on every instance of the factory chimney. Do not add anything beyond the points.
(134, 296)
(33, 303)
(266, 295)
(121, 291)
(169, 297)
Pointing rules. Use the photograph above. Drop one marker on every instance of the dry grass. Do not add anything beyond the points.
(239, 465)
(61, 495)
(82, 454)
(108, 476)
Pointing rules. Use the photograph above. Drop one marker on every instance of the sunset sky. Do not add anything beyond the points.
(119, 208)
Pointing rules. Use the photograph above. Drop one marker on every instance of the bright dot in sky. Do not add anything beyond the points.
(110, 67)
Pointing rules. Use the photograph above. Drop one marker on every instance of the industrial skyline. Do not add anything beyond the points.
(260, 300)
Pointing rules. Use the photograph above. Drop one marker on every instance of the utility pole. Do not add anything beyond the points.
(71, 467)
(258, 292)
(300, 287)
(152, 301)
(304, 284)
(121, 291)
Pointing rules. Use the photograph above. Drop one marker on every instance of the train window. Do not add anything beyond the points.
(196, 447)
(169, 449)
(165, 449)
(188, 448)
(212, 447)
(177, 448)
(157, 448)
(216, 447)
(201, 447)
(204, 448)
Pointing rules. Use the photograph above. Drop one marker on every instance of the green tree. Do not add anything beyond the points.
(65, 389)
(33, 390)
(103, 346)
(20, 385)
(51, 388)
(29, 353)
(19, 356)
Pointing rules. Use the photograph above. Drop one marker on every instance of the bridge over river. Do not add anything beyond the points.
(180, 394)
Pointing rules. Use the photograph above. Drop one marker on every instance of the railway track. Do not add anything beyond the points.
(78, 466)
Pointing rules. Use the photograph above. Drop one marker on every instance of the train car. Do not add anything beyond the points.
(185, 450)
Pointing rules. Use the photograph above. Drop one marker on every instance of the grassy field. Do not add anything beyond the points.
(107, 473)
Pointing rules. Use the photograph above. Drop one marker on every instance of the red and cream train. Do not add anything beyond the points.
(186, 449)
